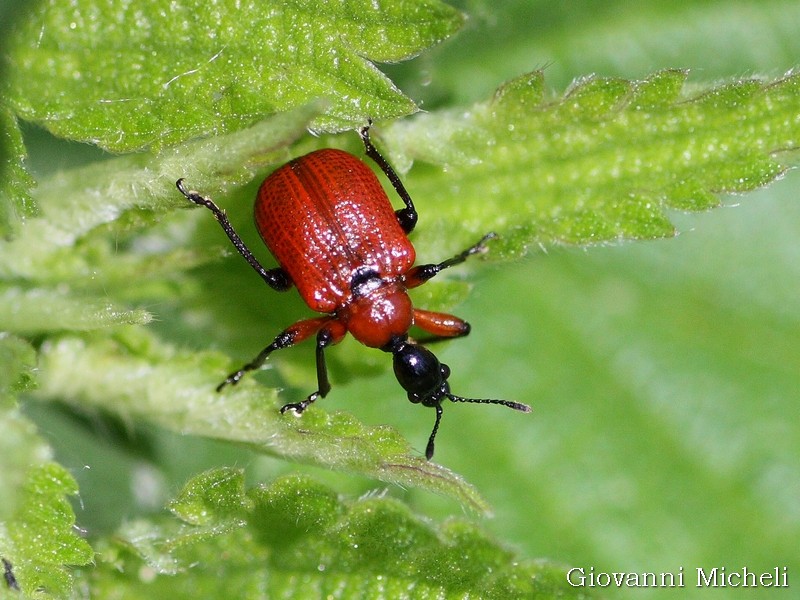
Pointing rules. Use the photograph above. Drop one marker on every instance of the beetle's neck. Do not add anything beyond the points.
(378, 316)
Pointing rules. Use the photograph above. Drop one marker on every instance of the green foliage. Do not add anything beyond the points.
(295, 538)
(82, 206)
(17, 358)
(37, 310)
(186, 72)
(15, 183)
(605, 161)
(661, 388)
(37, 523)
(175, 389)
(714, 40)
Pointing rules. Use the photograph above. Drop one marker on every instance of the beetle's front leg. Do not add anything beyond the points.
(441, 326)
(330, 334)
(285, 339)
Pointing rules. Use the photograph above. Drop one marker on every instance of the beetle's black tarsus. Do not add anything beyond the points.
(299, 407)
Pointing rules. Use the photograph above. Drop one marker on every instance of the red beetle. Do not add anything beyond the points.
(331, 227)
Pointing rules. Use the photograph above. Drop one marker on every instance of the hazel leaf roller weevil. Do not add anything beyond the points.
(332, 229)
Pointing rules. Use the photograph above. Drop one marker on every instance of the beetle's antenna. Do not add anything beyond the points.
(515, 405)
(429, 448)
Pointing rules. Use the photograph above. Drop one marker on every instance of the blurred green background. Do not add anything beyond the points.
(664, 375)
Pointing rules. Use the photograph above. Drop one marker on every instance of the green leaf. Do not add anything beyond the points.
(40, 536)
(712, 38)
(37, 525)
(20, 448)
(602, 163)
(31, 311)
(211, 497)
(23, 451)
(63, 263)
(663, 381)
(295, 538)
(15, 182)
(175, 389)
(133, 192)
(17, 360)
(663, 376)
(129, 76)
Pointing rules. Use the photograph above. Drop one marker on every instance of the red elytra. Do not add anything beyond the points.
(328, 222)
(329, 208)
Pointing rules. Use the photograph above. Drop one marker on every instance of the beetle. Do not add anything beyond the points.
(328, 222)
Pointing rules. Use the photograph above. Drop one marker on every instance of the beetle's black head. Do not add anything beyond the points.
(421, 374)
(424, 378)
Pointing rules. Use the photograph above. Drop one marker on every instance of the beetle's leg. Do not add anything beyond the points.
(422, 273)
(286, 338)
(331, 333)
(276, 278)
(440, 325)
(407, 217)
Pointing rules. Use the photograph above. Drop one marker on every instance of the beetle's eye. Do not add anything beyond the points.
(419, 371)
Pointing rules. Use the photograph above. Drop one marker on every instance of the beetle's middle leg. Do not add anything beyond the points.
(422, 273)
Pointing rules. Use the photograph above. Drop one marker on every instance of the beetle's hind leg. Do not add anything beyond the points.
(407, 217)
(276, 278)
